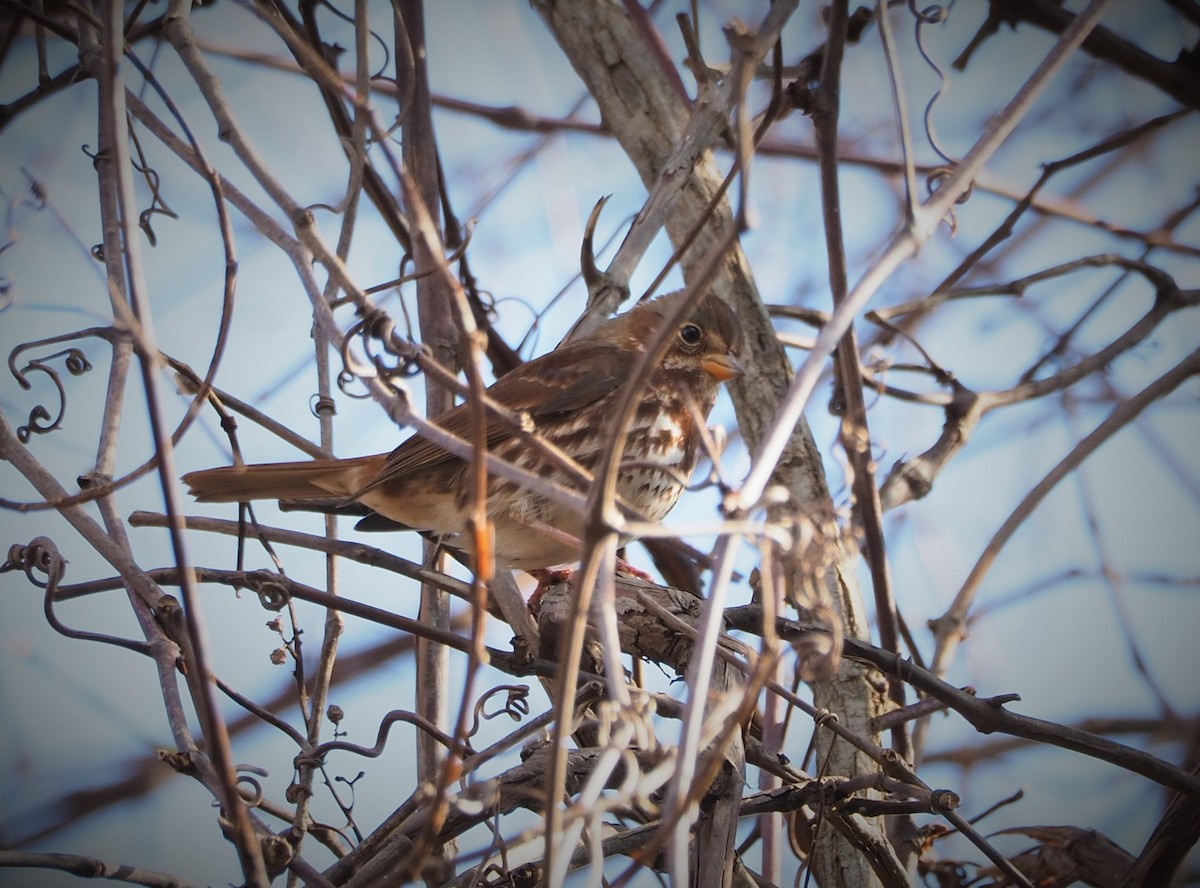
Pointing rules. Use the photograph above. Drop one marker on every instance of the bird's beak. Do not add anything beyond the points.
(721, 367)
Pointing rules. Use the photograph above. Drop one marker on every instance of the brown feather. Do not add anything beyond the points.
(422, 486)
(564, 380)
(288, 480)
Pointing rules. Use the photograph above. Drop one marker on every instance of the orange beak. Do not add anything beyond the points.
(721, 367)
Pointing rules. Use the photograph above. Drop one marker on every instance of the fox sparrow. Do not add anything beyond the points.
(570, 394)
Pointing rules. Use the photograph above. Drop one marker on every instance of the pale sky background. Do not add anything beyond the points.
(75, 713)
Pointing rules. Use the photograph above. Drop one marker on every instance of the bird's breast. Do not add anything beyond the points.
(660, 454)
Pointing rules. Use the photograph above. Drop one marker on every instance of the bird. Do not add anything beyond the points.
(570, 395)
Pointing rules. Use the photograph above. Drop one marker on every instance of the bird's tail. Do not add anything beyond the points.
(305, 479)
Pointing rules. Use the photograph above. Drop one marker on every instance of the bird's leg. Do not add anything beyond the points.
(626, 569)
(548, 577)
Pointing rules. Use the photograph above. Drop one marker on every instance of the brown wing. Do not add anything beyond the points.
(563, 380)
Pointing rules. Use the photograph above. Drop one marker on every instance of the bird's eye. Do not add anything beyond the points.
(689, 334)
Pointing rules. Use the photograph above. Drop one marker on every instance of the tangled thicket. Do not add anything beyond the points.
(968, 232)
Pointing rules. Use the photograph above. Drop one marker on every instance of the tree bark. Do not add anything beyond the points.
(642, 105)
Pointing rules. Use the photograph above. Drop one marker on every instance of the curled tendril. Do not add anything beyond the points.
(94, 156)
(315, 755)
(319, 406)
(349, 19)
(244, 779)
(272, 594)
(44, 567)
(345, 379)
(936, 176)
(375, 324)
(390, 355)
(932, 15)
(40, 561)
(823, 717)
(76, 362)
(40, 419)
(395, 357)
(516, 705)
(254, 798)
(158, 206)
(934, 180)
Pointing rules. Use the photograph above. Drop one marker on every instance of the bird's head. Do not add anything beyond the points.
(707, 342)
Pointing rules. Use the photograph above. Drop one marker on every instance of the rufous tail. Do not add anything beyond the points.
(288, 480)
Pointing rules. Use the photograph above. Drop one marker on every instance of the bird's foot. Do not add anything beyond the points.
(624, 568)
(547, 577)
